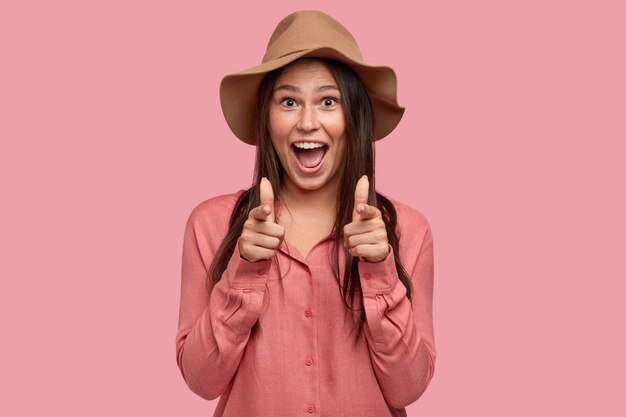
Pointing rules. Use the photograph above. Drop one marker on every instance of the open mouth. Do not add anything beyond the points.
(309, 156)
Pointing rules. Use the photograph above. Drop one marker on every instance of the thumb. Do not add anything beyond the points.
(267, 197)
(361, 194)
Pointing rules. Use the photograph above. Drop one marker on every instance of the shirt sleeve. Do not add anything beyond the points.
(215, 321)
(400, 332)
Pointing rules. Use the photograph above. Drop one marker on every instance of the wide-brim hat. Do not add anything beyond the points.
(309, 33)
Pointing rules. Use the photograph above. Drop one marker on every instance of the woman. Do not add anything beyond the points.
(309, 293)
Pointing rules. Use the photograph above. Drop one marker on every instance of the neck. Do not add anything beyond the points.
(322, 200)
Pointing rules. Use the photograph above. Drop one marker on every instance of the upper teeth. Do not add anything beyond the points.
(308, 145)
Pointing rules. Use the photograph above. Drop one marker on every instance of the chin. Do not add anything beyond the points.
(311, 183)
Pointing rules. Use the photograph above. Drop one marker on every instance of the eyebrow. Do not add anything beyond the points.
(294, 89)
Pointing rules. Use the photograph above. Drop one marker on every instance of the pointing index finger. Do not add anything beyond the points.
(260, 213)
(369, 212)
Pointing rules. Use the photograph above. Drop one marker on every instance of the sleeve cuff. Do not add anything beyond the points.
(378, 277)
(244, 274)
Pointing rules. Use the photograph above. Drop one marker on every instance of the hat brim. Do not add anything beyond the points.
(238, 93)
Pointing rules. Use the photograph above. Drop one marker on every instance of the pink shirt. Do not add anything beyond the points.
(301, 361)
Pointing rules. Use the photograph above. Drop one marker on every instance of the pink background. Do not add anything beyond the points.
(512, 145)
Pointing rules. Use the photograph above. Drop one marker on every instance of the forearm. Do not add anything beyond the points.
(399, 331)
(215, 322)
(402, 356)
(209, 354)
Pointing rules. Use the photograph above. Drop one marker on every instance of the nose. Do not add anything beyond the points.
(308, 119)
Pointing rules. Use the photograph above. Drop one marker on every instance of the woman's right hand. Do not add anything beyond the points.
(261, 235)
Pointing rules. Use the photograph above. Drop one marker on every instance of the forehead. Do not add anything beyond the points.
(305, 71)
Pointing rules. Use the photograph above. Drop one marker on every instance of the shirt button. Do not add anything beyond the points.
(367, 275)
(308, 361)
(307, 312)
(310, 408)
(261, 272)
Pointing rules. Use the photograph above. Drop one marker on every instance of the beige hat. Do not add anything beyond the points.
(308, 33)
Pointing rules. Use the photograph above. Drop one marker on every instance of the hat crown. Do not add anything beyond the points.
(308, 33)
(310, 29)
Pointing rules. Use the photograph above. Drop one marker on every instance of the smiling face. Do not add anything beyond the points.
(307, 125)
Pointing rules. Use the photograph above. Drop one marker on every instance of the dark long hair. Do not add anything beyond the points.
(359, 160)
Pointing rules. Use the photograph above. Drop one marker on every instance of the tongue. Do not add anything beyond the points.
(311, 157)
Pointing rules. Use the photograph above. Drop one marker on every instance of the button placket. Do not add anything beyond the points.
(308, 360)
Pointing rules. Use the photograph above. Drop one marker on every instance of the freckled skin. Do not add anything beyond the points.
(308, 114)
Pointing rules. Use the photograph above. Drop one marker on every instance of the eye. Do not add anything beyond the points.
(288, 102)
(329, 101)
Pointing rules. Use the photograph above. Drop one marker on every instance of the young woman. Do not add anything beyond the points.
(309, 293)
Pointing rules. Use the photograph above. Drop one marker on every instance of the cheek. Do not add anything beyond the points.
(341, 151)
(278, 124)
(336, 125)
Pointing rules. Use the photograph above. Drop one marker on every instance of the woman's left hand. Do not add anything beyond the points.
(366, 235)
